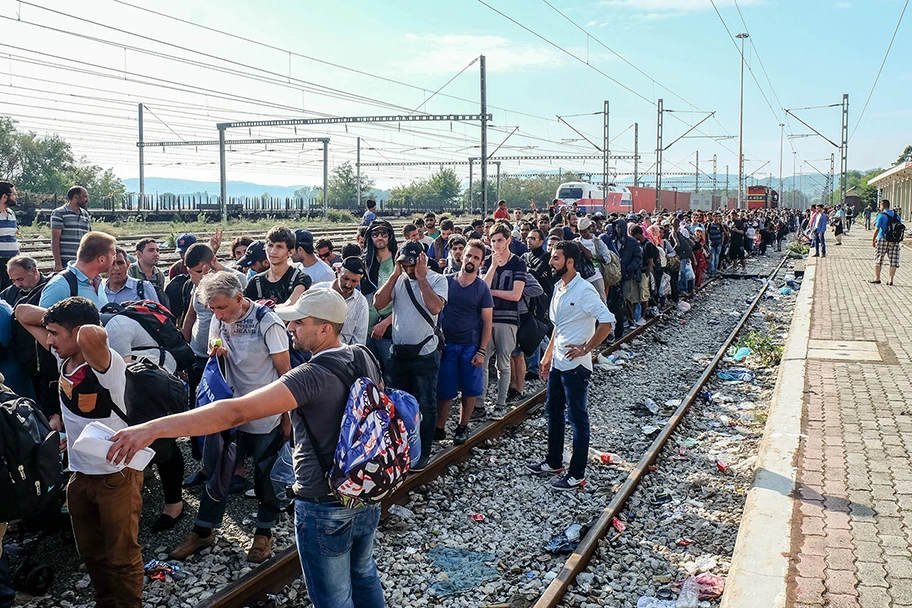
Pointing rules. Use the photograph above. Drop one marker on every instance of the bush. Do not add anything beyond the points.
(337, 216)
(763, 347)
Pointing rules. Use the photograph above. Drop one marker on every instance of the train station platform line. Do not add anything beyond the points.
(828, 519)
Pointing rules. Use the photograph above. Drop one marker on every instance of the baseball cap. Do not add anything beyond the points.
(184, 241)
(256, 252)
(354, 264)
(303, 238)
(320, 303)
(409, 253)
(584, 224)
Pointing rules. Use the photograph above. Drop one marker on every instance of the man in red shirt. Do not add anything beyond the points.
(501, 213)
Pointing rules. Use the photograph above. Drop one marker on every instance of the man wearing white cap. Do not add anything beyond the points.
(316, 398)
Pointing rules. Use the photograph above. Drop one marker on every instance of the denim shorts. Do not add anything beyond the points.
(457, 372)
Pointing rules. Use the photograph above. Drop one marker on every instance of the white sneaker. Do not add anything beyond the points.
(640, 323)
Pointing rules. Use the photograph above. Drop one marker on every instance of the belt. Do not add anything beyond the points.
(317, 500)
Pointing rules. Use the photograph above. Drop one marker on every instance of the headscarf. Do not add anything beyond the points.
(654, 234)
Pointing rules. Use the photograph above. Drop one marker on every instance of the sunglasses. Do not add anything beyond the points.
(328, 254)
(380, 233)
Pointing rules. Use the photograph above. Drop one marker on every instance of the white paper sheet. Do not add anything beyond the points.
(95, 440)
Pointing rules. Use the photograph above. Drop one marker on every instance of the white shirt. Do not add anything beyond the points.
(319, 272)
(354, 330)
(575, 307)
(115, 381)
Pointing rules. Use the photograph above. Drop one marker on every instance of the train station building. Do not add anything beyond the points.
(895, 185)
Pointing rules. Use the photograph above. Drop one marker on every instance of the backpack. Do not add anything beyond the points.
(896, 230)
(297, 357)
(151, 393)
(31, 472)
(372, 455)
(159, 324)
(611, 269)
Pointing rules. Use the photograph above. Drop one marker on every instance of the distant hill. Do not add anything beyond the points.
(162, 185)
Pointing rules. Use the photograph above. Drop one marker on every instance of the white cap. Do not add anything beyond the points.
(324, 304)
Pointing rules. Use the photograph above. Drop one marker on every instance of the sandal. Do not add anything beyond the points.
(890, 283)
(874, 282)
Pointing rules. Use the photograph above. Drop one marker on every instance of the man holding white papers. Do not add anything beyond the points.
(104, 500)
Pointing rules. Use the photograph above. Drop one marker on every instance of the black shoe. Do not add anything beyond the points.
(461, 435)
(439, 434)
(479, 413)
(531, 375)
(421, 464)
(165, 522)
(514, 395)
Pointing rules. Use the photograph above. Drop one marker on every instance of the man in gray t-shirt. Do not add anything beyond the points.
(415, 358)
(253, 342)
(312, 393)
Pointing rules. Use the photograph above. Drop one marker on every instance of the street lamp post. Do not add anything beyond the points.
(675, 188)
(742, 36)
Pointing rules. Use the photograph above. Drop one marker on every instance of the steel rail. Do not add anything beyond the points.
(285, 566)
(575, 564)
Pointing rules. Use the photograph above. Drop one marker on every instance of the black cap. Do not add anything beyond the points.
(354, 264)
(256, 252)
(303, 238)
(371, 204)
(409, 254)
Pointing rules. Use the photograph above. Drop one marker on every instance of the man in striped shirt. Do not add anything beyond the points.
(69, 223)
(9, 246)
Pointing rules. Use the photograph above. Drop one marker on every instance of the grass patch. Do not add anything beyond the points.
(797, 247)
(763, 348)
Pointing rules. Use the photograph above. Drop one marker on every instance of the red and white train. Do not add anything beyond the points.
(590, 198)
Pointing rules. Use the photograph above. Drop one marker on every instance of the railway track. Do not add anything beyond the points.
(272, 577)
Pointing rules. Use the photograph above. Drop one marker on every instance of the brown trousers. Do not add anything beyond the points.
(105, 511)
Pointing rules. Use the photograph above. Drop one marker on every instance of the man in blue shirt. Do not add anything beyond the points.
(819, 231)
(121, 288)
(94, 257)
(884, 248)
(369, 215)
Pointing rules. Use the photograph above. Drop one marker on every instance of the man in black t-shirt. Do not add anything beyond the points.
(282, 283)
(736, 246)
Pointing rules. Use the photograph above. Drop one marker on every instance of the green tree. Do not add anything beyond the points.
(444, 188)
(344, 185)
(306, 192)
(906, 156)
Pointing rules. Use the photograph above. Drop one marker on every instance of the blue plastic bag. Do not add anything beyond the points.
(219, 449)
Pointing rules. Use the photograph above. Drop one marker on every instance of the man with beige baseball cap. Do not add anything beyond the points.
(316, 398)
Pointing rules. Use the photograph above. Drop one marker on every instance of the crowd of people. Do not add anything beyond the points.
(434, 302)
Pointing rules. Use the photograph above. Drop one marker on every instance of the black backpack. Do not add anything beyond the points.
(31, 472)
(896, 230)
(159, 324)
(151, 393)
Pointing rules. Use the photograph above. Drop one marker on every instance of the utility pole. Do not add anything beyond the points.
(742, 36)
(714, 181)
(605, 155)
(326, 179)
(223, 177)
(358, 169)
(484, 140)
(658, 180)
(636, 154)
(471, 202)
(844, 147)
(142, 163)
(726, 186)
(832, 179)
(498, 180)
(697, 174)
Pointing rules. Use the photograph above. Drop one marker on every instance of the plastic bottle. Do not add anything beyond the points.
(654, 602)
(604, 457)
(401, 511)
(690, 594)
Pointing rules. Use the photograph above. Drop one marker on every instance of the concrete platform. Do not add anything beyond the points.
(828, 521)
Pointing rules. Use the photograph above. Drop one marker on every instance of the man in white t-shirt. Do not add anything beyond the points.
(104, 500)
(308, 262)
(354, 331)
(254, 344)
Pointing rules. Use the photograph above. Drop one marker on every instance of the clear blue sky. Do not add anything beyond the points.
(813, 52)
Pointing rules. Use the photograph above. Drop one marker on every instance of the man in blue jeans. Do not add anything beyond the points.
(819, 230)
(567, 365)
(418, 296)
(335, 543)
(715, 231)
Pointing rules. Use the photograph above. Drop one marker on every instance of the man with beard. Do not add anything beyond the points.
(94, 257)
(69, 222)
(380, 248)
(567, 365)
(466, 325)
(417, 296)
(456, 245)
(9, 228)
(354, 330)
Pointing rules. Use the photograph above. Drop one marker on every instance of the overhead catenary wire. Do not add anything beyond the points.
(880, 70)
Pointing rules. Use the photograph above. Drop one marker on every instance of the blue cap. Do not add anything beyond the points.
(184, 241)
